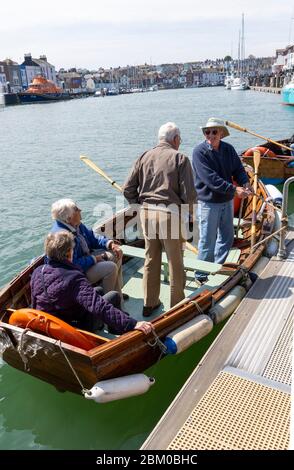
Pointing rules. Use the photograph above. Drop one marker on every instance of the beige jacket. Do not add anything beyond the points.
(161, 175)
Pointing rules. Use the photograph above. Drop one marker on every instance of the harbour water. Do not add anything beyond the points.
(39, 163)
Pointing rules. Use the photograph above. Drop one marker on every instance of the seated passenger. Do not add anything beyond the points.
(60, 288)
(98, 266)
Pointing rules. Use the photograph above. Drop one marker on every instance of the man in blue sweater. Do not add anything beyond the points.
(215, 163)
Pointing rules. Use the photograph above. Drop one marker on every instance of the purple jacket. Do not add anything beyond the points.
(63, 290)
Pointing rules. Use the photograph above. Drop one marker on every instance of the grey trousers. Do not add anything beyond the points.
(108, 272)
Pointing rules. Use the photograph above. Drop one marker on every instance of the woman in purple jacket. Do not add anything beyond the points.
(59, 287)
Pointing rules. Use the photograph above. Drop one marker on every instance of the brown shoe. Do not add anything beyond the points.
(147, 311)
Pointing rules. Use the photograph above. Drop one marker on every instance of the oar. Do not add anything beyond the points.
(119, 188)
(100, 172)
(256, 160)
(243, 129)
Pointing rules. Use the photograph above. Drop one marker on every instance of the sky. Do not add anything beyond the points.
(111, 33)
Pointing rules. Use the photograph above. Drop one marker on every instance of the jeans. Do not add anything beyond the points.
(216, 228)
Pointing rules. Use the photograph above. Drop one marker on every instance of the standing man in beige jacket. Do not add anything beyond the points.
(161, 181)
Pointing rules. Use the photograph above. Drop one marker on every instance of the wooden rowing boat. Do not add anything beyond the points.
(70, 368)
(277, 165)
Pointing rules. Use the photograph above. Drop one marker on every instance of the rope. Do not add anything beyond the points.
(199, 309)
(20, 350)
(84, 390)
(268, 237)
(157, 342)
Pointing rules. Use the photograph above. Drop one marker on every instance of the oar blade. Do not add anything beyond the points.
(98, 170)
(192, 248)
(235, 126)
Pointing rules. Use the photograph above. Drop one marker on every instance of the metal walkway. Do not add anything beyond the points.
(239, 396)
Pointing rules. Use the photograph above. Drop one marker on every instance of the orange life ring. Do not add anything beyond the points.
(42, 322)
(264, 152)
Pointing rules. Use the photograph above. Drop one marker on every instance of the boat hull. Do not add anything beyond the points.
(48, 359)
(273, 170)
(288, 94)
(28, 98)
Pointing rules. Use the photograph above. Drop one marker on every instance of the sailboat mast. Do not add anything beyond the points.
(239, 54)
(242, 46)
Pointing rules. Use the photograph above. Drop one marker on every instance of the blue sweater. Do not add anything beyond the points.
(93, 242)
(214, 170)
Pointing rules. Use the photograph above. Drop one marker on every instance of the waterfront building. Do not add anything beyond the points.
(2, 78)
(11, 71)
(31, 67)
(72, 80)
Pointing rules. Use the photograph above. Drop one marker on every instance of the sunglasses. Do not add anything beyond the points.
(208, 131)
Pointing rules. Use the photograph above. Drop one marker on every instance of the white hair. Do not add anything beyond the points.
(167, 132)
(63, 209)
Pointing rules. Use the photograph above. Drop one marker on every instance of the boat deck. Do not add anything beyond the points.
(239, 396)
(133, 283)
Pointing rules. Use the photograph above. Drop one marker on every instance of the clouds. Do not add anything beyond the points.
(92, 34)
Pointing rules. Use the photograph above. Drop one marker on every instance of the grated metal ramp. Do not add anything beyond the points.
(259, 340)
(239, 397)
(279, 366)
(237, 413)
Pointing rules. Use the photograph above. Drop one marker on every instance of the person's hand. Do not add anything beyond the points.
(242, 193)
(99, 258)
(144, 326)
(249, 187)
(116, 249)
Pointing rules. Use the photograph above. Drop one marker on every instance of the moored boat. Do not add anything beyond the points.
(276, 163)
(73, 368)
(288, 93)
(42, 90)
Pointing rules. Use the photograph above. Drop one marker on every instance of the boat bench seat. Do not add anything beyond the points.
(190, 264)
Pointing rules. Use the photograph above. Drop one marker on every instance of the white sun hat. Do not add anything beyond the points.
(215, 122)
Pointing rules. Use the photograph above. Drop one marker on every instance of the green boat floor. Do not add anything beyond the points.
(133, 286)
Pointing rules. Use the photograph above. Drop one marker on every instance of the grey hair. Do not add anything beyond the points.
(167, 132)
(57, 244)
(63, 209)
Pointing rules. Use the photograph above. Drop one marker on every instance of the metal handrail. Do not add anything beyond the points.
(282, 253)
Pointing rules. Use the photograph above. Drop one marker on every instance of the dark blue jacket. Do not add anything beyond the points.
(69, 296)
(213, 171)
(93, 242)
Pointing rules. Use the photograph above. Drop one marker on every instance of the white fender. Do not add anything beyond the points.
(120, 387)
(227, 305)
(272, 245)
(260, 265)
(189, 333)
(275, 194)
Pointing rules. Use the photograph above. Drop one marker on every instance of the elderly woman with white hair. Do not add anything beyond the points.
(105, 266)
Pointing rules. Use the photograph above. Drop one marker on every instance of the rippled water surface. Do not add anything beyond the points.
(40, 147)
